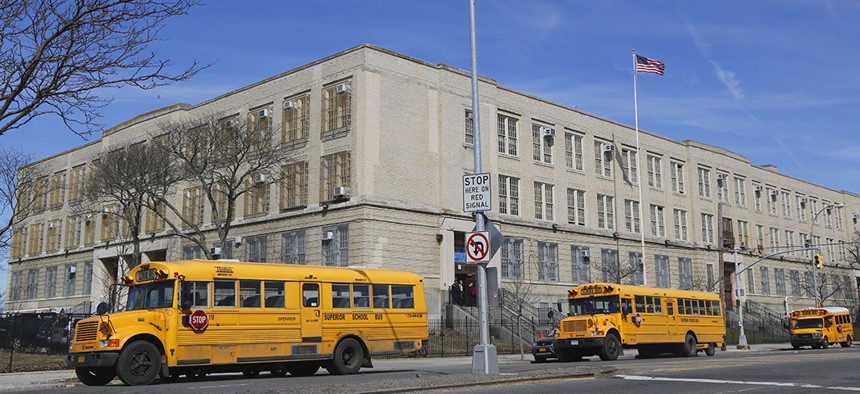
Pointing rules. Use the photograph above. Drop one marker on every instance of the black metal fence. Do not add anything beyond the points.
(35, 341)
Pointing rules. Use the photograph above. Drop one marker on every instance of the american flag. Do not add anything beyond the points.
(646, 65)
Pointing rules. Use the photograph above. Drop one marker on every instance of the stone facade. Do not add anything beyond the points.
(408, 144)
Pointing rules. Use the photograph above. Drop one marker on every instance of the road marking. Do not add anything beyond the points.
(717, 381)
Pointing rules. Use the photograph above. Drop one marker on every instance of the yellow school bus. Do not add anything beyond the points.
(604, 318)
(821, 327)
(196, 317)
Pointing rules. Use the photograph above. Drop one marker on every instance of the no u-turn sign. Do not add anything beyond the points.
(477, 247)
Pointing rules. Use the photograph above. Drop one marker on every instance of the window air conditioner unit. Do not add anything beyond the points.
(50, 225)
(238, 240)
(802, 200)
(328, 235)
(260, 179)
(721, 177)
(584, 252)
(608, 148)
(743, 246)
(341, 88)
(72, 269)
(548, 131)
(341, 192)
(856, 216)
(289, 105)
(774, 193)
(264, 113)
(757, 188)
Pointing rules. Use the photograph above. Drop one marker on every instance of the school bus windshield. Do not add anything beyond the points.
(150, 295)
(808, 323)
(594, 305)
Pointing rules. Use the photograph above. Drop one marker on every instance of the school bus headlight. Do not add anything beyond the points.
(816, 335)
(109, 343)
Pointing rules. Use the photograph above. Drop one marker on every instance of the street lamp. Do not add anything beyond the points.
(742, 338)
(809, 241)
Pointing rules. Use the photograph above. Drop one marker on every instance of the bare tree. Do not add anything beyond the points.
(519, 297)
(222, 160)
(824, 286)
(615, 271)
(120, 185)
(20, 182)
(57, 55)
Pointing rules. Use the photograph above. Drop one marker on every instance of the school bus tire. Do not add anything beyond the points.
(279, 371)
(611, 348)
(348, 357)
(847, 342)
(688, 349)
(98, 376)
(825, 343)
(139, 363)
(303, 368)
(710, 351)
(251, 373)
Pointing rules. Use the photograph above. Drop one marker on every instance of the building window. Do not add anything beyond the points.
(191, 252)
(757, 192)
(704, 183)
(801, 208)
(336, 109)
(542, 144)
(680, 216)
(759, 230)
(58, 190)
(740, 192)
(707, 228)
(685, 273)
(32, 283)
(605, 212)
(255, 248)
(257, 197)
(192, 206)
(469, 128)
(765, 281)
(677, 177)
(609, 266)
(631, 216)
(743, 234)
(40, 193)
(19, 242)
(17, 292)
(603, 159)
(544, 201)
(69, 283)
(293, 247)
(710, 285)
(661, 269)
(771, 200)
(89, 232)
(294, 185)
(655, 172)
(334, 171)
(573, 152)
(838, 213)
(580, 264)
(751, 282)
(88, 278)
(723, 187)
(296, 120)
(76, 182)
(53, 236)
(50, 282)
(34, 244)
(636, 268)
(335, 245)
(507, 135)
(794, 277)
(509, 195)
(830, 253)
(548, 261)
(789, 241)
(828, 216)
(774, 239)
(779, 281)
(786, 204)
(154, 218)
(111, 223)
(630, 165)
(512, 259)
(576, 207)
(658, 221)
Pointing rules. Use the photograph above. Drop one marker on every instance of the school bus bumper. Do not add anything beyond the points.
(561, 345)
(92, 359)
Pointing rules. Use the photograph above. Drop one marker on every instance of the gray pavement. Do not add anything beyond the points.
(21, 381)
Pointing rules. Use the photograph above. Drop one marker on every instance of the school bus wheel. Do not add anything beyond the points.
(611, 348)
(139, 363)
(688, 349)
(279, 370)
(710, 351)
(348, 357)
(99, 376)
(306, 368)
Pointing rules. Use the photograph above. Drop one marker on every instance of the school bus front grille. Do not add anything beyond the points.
(87, 331)
(574, 326)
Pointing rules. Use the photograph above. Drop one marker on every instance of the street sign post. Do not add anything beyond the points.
(477, 193)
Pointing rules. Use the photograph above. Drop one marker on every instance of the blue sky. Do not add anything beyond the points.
(773, 80)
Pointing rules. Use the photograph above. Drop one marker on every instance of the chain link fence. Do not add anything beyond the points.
(35, 341)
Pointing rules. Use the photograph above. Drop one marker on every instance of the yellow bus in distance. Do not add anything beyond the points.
(196, 317)
(604, 318)
(821, 327)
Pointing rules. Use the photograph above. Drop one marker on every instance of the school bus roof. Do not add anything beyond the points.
(829, 309)
(232, 269)
(614, 288)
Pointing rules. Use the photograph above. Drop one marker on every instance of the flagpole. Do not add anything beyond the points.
(639, 169)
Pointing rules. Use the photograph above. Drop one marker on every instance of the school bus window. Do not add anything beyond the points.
(339, 295)
(402, 297)
(640, 304)
(310, 295)
(658, 305)
(249, 293)
(150, 295)
(225, 293)
(670, 308)
(361, 296)
(689, 303)
(195, 294)
(380, 297)
(274, 294)
(626, 306)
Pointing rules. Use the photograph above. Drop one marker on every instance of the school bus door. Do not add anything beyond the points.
(311, 316)
(628, 324)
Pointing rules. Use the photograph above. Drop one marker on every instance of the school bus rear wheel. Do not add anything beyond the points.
(348, 357)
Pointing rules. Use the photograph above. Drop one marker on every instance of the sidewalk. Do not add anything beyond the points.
(11, 382)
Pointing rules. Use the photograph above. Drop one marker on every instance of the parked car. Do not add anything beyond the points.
(56, 333)
(542, 348)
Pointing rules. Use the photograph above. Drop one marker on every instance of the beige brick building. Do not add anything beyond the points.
(394, 135)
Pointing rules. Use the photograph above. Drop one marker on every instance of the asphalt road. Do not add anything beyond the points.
(783, 371)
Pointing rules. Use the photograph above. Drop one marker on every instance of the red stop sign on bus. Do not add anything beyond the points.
(198, 320)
